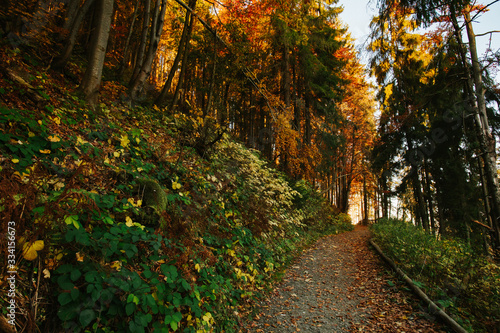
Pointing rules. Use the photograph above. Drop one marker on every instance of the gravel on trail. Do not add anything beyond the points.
(341, 285)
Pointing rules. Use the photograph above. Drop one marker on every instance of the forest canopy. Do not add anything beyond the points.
(283, 77)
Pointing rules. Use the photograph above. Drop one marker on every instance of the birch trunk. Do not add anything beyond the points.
(486, 139)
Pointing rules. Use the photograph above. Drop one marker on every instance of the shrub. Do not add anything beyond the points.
(457, 278)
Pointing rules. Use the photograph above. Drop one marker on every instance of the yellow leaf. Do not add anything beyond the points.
(116, 265)
(45, 151)
(54, 138)
(133, 203)
(107, 161)
(30, 249)
(15, 160)
(116, 154)
(79, 257)
(197, 267)
(129, 221)
(124, 141)
(31, 134)
(207, 317)
(56, 120)
(139, 225)
(176, 185)
(80, 141)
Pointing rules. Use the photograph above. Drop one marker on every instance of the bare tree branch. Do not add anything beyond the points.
(487, 33)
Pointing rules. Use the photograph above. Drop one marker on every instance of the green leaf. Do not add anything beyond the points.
(64, 283)
(418, 284)
(72, 220)
(75, 275)
(64, 269)
(143, 319)
(186, 285)
(68, 312)
(44, 95)
(129, 308)
(147, 274)
(133, 299)
(176, 301)
(75, 293)
(90, 276)
(86, 317)
(197, 294)
(169, 271)
(38, 210)
(177, 316)
(108, 220)
(64, 298)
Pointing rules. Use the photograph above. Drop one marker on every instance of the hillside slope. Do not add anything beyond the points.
(127, 219)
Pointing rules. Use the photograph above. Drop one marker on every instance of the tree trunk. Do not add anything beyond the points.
(156, 31)
(365, 201)
(63, 58)
(206, 111)
(185, 53)
(486, 195)
(486, 139)
(184, 39)
(421, 204)
(428, 196)
(127, 42)
(144, 39)
(286, 74)
(384, 195)
(71, 13)
(92, 78)
(421, 208)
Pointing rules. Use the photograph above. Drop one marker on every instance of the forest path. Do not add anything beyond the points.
(341, 285)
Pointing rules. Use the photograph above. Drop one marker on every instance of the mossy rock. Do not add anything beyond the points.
(152, 194)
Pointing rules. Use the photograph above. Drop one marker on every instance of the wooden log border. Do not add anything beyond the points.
(432, 306)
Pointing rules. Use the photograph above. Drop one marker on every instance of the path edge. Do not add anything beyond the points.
(433, 307)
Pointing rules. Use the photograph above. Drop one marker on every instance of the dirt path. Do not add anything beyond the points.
(341, 285)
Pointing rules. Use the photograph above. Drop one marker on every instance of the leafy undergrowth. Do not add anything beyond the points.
(462, 282)
(126, 220)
